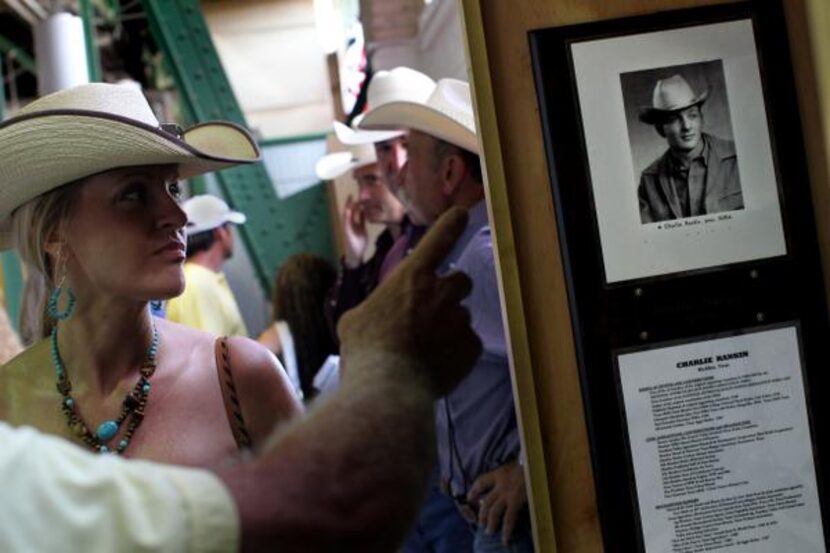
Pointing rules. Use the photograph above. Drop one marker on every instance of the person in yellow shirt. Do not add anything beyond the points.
(208, 302)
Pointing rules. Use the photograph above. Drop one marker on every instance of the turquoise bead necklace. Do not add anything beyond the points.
(132, 407)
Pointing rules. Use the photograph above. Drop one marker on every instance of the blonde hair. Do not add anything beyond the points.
(34, 224)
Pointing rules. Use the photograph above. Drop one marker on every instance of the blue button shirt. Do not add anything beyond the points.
(476, 423)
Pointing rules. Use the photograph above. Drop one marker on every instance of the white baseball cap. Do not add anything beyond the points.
(208, 212)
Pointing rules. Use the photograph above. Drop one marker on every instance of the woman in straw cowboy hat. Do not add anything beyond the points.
(89, 197)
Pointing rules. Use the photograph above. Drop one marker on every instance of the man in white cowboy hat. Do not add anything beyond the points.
(439, 528)
(698, 173)
(376, 204)
(400, 84)
(478, 437)
(207, 302)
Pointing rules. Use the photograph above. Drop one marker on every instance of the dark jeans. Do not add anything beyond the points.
(521, 540)
(439, 528)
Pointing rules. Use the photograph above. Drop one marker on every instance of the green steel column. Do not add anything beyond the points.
(93, 61)
(275, 228)
(24, 59)
(12, 277)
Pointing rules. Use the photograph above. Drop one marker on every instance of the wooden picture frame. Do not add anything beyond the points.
(622, 292)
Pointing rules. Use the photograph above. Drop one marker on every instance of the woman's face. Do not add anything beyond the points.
(125, 234)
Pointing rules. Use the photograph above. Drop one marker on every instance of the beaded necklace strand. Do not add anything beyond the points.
(132, 407)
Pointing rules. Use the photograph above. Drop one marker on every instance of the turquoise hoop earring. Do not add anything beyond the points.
(54, 298)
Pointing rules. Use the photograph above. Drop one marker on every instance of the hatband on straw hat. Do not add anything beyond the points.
(670, 95)
(447, 114)
(334, 165)
(97, 127)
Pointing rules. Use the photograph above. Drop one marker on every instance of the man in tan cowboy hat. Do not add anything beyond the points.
(698, 174)
(478, 438)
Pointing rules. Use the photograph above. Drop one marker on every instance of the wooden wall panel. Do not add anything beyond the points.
(547, 378)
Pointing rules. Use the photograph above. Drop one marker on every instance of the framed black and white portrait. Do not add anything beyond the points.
(682, 142)
(677, 147)
(684, 213)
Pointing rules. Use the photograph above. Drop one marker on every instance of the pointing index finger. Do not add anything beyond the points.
(439, 240)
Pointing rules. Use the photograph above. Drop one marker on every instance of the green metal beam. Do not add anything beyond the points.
(292, 139)
(275, 228)
(25, 60)
(93, 60)
(12, 276)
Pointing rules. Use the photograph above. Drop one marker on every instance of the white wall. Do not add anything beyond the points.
(438, 50)
(276, 65)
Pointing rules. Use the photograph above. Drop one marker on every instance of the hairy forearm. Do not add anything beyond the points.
(352, 474)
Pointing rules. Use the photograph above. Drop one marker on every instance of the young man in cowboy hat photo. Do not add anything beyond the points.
(101, 216)
(207, 302)
(698, 173)
(479, 446)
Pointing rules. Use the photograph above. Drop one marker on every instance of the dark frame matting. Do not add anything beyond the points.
(676, 306)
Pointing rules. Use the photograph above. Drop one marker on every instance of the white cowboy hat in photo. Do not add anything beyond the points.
(447, 114)
(672, 94)
(351, 136)
(337, 164)
(208, 212)
(92, 128)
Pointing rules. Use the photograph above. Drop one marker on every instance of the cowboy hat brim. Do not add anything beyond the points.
(423, 118)
(351, 137)
(651, 115)
(332, 166)
(47, 149)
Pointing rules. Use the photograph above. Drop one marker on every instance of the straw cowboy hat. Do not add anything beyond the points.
(670, 95)
(337, 164)
(447, 114)
(92, 128)
(401, 84)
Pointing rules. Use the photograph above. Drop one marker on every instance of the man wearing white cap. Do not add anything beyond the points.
(698, 173)
(208, 302)
(375, 204)
(478, 439)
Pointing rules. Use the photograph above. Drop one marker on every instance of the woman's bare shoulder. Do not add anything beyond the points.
(29, 372)
(265, 392)
(29, 363)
